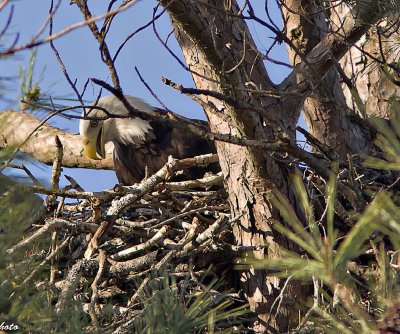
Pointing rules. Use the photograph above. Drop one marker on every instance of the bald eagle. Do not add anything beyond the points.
(140, 145)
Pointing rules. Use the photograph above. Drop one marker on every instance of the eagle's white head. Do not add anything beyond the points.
(100, 128)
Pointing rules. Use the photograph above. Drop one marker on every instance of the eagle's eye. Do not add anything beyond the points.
(94, 123)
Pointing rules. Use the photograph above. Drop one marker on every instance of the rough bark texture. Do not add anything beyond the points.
(212, 43)
(220, 53)
(325, 111)
(15, 127)
(374, 87)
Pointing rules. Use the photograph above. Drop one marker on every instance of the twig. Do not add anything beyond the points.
(234, 68)
(328, 151)
(128, 253)
(52, 224)
(313, 308)
(100, 37)
(34, 43)
(135, 32)
(205, 182)
(46, 260)
(62, 65)
(178, 216)
(95, 292)
(278, 300)
(150, 90)
(202, 237)
(53, 249)
(227, 99)
(55, 174)
(35, 181)
(74, 184)
(69, 287)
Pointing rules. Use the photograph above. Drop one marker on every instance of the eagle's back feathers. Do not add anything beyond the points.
(132, 161)
(142, 145)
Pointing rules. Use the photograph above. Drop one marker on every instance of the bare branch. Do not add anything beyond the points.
(13, 49)
(16, 125)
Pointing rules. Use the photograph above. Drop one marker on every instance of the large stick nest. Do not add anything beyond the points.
(106, 248)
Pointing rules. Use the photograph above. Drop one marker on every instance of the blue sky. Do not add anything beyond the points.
(79, 51)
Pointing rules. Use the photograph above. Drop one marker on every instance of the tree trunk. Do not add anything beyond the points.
(325, 111)
(213, 46)
(371, 81)
(223, 58)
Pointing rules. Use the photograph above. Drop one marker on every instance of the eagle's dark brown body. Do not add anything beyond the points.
(142, 145)
(132, 162)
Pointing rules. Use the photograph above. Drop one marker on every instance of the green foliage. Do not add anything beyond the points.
(31, 96)
(325, 258)
(29, 90)
(27, 306)
(328, 257)
(17, 211)
(175, 308)
(388, 142)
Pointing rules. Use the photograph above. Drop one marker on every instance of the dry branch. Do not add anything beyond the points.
(139, 190)
(69, 287)
(130, 252)
(156, 229)
(51, 225)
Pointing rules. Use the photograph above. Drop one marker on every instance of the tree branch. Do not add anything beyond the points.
(334, 46)
(15, 126)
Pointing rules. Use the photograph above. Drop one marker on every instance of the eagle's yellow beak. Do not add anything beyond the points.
(89, 147)
(94, 148)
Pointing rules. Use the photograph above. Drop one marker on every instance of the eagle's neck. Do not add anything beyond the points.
(126, 130)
